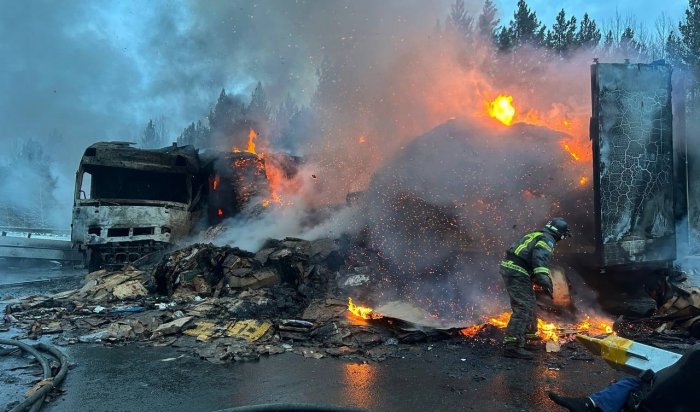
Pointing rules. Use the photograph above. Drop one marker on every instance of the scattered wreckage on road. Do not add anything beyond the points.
(226, 304)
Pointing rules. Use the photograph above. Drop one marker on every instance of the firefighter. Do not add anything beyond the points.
(527, 262)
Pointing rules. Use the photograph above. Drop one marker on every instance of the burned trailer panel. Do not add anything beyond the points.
(693, 195)
(631, 133)
(130, 202)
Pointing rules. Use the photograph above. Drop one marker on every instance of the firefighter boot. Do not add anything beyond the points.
(512, 350)
(534, 336)
(573, 404)
(533, 342)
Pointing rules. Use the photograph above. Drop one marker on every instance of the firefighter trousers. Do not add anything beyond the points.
(522, 301)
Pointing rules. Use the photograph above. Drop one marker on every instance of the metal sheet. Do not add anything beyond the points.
(631, 129)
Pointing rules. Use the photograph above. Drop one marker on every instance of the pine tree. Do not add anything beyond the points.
(259, 109)
(33, 164)
(525, 28)
(460, 19)
(504, 39)
(286, 110)
(674, 50)
(195, 134)
(609, 41)
(187, 136)
(627, 42)
(562, 36)
(149, 138)
(688, 45)
(488, 20)
(225, 119)
(588, 35)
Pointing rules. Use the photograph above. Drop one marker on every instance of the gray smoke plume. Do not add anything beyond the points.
(97, 72)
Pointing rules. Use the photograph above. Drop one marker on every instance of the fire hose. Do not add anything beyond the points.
(39, 351)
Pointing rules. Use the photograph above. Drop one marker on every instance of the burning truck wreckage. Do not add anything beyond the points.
(157, 230)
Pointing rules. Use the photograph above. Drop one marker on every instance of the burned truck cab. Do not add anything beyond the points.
(130, 202)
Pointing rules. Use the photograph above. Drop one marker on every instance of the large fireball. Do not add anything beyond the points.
(502, 109)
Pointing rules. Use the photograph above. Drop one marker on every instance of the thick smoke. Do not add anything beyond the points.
(99, 72)
(378, 79)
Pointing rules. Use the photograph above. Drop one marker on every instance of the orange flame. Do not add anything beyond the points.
(362, 139)
(547, 331)
(583, 180)
(252, 134)
(215, 182)
(557, 118)
(276, 179)
(500, 321)
(501, 108)
(362, 311)
(219, 212)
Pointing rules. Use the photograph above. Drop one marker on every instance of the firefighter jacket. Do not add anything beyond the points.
(531, 254)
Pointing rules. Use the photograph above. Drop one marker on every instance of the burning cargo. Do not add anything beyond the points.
(235, 180)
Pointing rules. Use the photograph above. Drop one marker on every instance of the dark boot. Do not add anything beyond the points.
(512, 350)
(573, 404)
(534, 346)
(533, 337)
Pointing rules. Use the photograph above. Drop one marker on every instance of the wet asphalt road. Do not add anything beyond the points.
(132, 378)
(464, 375)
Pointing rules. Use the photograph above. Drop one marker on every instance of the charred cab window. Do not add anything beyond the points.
(117, 183)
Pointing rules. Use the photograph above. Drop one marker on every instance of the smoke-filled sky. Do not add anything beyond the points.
(76, 72)
(99, 70)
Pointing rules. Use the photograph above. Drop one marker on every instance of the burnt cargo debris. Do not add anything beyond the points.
(631, 131)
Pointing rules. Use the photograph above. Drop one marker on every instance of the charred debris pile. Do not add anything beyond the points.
(227, 304)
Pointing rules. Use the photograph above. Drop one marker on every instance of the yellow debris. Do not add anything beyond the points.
(250, 330)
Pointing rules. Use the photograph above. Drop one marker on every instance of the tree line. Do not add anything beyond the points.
(678, 43)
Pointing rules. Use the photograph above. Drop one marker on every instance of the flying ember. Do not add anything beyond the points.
(501, 108)
(573, 154)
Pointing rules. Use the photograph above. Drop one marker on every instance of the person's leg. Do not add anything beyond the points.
(522, 302)
(614, 396)
(531, 333)
(609, 399)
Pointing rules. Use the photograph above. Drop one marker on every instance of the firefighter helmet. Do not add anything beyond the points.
(558, 228)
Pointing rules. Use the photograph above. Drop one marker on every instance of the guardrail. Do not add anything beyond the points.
(50, 231)
(38, 244)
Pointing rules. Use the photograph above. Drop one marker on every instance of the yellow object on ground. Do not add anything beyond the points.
(627, 355)
(250, 330)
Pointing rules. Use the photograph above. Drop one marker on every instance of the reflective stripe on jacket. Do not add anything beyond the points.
(531, 254)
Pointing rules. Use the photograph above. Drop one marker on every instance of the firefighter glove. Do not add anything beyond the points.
(543, 280)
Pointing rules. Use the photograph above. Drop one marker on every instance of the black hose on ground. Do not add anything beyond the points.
(34, 402)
